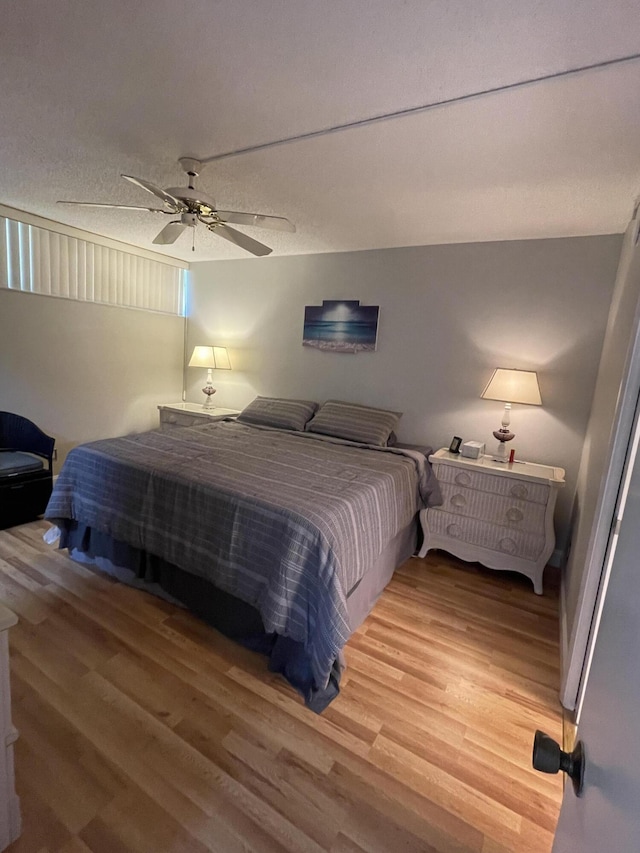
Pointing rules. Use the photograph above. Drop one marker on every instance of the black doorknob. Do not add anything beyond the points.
(549, 758)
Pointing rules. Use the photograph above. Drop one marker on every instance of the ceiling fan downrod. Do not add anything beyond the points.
(192, 167)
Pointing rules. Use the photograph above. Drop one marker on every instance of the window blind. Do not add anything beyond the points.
(36, 260)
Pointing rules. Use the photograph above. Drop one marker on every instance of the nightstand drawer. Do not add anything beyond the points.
(493, 483)
(174, 418)
(496, 509)
(515, 543)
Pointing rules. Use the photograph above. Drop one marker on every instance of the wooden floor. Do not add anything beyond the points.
(142, 729)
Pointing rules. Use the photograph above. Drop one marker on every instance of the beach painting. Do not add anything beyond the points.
(341, 325)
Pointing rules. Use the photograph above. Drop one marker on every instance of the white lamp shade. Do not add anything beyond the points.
(210, 357)
(221, 357)
(513, 386)
(202, 357)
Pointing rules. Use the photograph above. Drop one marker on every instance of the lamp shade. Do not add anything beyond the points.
(221, 357)
(210, 357)
(202, 357)
(513, 386)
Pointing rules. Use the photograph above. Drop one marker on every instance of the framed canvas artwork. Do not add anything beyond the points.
(341, 326)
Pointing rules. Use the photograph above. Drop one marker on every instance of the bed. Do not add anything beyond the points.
(281, 537)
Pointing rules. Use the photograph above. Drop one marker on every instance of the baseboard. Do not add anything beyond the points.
(568, 730)
(564, 639)
(564, 642)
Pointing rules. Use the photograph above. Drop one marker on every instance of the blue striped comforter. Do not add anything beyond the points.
(288, 522)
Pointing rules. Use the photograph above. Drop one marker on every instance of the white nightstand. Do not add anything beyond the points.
(499, 514)
(191, 414)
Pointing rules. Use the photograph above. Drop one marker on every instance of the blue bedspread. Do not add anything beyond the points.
(287, 522)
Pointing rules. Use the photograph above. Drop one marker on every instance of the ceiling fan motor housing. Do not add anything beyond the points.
(197, 201)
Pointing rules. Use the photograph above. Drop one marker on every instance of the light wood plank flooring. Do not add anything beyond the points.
(142, 729)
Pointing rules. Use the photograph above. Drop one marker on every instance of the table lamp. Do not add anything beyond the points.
(511, 386)
(213, 358)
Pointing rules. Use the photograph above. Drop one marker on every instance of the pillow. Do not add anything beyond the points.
(354, 422)
(275, 412)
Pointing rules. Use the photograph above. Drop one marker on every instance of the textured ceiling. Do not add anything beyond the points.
(93, 89)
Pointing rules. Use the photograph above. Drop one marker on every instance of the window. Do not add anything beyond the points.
(36, 260)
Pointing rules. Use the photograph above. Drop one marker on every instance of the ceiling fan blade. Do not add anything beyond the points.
(117, 206)
(170, 233)
(161, 194)
(277, 223)
(242, 240)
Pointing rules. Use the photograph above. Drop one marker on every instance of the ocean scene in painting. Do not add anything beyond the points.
(341, 326)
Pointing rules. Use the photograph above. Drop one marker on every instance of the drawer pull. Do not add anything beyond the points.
(519, 491)
(463, 479)
(454, 530)
(514, 515)
(172, 419)
(507, 545)
(458, 500)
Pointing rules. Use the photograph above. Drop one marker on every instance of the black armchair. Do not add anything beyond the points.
(25, 482)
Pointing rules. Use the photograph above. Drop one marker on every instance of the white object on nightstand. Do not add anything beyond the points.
(191, 414)
(498, 514)
(472, 449)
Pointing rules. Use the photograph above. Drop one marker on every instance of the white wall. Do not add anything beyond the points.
(83, 371)
(448, 316)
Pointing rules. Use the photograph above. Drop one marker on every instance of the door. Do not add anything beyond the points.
(606, 817)
(604, 456)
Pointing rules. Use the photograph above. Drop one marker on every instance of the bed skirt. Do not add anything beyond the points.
(228, 614)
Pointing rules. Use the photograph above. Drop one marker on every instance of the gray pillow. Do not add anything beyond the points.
(354, 422)
(279, 413)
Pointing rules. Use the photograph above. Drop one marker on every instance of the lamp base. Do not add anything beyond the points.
(209, 390)
(503, 435)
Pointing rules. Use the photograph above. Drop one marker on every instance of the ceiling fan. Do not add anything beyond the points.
(192, 205)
